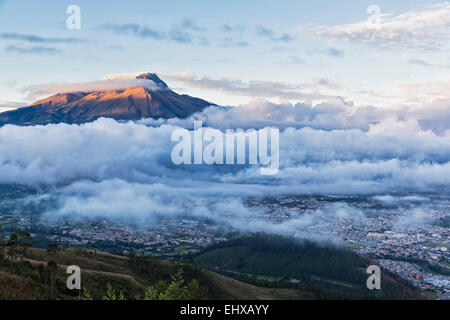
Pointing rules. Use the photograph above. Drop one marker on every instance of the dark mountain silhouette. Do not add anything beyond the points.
(131, 104)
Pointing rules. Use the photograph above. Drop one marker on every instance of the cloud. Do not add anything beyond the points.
(421, 28)
(419, 62)
(424, 91)
(180, 33)
(331, 52)
(32, 50)
(115, 47)
(323, 148)
(317, 90)
(37, 39)
(264, 89)
(143, 32)
(240, 28)
(295, 60)
(121, 83)
(123, 76)
(273, 35)
(423, 63)
(389, 199)
(284, 37)
(335, 114)
(263, 31)
(192, 25)
(230, 42)
(148, 203)
(412, 218)
(8, 105)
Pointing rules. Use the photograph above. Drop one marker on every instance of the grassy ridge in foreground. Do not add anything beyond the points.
(30, 277)
(253, 267)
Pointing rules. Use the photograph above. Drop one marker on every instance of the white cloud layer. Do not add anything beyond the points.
(48, 89)
(321, 148)
(145, 204)
(122, 170)
(426, 28)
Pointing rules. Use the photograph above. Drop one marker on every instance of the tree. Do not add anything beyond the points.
(52, 267)
(110, 293)
(2, 236)
(176, 290)
(18, 244)
(86, 295)
(52, 248)
(195, 292)
(2, 243)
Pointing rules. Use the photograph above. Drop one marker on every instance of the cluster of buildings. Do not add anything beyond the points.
(438, 284)
(381, 232)
(169, 239)
(399, 242)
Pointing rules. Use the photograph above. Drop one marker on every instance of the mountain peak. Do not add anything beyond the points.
(153, 77)
(133, 103)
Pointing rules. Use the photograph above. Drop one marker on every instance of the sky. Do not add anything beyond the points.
(230, 52)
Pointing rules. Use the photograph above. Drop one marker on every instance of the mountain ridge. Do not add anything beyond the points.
(133, 103)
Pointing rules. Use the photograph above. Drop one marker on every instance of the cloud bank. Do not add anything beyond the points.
(335, 114)
(322, 148)
(123, 170)
(146, 204)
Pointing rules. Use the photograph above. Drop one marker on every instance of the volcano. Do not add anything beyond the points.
(135, 103)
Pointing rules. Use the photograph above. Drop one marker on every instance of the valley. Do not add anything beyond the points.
(420, 259)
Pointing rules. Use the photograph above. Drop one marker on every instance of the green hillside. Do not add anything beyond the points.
(325, 271)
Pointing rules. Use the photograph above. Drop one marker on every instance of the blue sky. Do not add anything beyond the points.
(317, 49)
